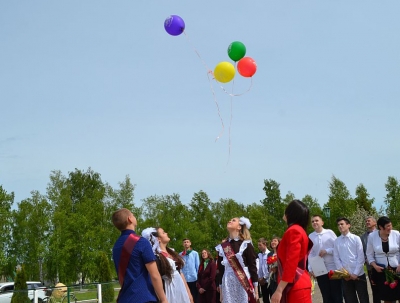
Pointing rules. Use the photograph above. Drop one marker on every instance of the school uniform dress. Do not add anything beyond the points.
(175, 289)
(231, 289)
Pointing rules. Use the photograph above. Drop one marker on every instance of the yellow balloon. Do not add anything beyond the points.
(224, 72)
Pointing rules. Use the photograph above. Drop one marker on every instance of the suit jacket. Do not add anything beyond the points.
(206, 277)
(292, 249)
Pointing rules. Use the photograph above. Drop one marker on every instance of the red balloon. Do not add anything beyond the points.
(247, 67)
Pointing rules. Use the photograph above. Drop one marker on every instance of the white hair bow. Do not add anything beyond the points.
(245, 221)
(148, 234)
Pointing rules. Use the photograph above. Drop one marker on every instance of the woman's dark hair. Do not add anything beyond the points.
(382, 221)
(163, 266)
(209, 256)
(297, 213)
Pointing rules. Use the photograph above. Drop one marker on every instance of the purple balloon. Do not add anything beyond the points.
(174, 25)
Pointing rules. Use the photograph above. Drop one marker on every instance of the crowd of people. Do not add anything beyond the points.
(150, 271)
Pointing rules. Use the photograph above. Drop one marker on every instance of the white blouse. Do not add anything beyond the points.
(375, 252)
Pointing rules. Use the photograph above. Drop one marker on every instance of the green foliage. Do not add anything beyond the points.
(107, 288)
(315, 209)
(6, 201)
(20, 294)
(275, 208)
(392, 201)
(340, 201)
(70, 226)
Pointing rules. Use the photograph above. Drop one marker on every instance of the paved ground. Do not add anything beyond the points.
(317, 298)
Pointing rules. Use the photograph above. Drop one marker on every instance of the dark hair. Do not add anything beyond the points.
(209, 256)
(186, 239)
(164, 267)
(297, 213)
(343, 219)
(382, 221)
(263, 241)
(274, 237)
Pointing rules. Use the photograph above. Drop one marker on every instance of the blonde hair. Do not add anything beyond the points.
(244, 233)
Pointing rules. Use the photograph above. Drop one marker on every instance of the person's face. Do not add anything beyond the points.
(370, 223)
(387, 229)
(343, 227)
(187, 244)
(261, 246)
(233, 225)
(274, 243)
(163, 236)
(317, 223)
(284, 218)
(204, 254)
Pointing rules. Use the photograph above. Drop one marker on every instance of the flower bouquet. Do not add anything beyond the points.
(338, 274)
(392, 278)
(272, 261)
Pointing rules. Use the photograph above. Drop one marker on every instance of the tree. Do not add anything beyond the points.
(6, 201)
(340, 200)
(259, 220)
(274, 207)
(315, 209)
(107, 288)
(357, 220)
(30, 233)
(20, 294)
(392, 201)
(362, 199)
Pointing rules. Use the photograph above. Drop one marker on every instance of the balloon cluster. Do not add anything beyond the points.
(246, 66)
(224, 71)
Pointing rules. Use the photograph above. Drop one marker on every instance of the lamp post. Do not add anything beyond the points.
(327, 213)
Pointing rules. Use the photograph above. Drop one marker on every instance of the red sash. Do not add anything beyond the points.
(239, 271)
(126, 253)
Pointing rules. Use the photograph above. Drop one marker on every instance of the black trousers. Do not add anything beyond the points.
(193, 290)
(265, 293)
(354, 288)
(374, 288)
(331, 290)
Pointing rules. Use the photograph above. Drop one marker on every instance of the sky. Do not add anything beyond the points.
(101, 84)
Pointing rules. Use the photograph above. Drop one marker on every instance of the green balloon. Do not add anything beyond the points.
(236, 50)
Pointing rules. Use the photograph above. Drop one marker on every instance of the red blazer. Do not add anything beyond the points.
(294, 247)
(206, 277)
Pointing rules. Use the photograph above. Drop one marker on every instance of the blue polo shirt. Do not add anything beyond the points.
(137, 284)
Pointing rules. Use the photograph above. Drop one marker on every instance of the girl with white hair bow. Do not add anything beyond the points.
(237, 258)
(169, 264)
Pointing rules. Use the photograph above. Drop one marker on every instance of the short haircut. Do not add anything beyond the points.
(120, 218)
(297, 213)
(263, 241)
(186, 239)
(382, 221)
(343, 219)
(319, 216)
(370, 217)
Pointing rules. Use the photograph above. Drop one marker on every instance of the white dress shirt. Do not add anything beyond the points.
(348, 254)
(323, 240)
(263, 267)
(375, 251)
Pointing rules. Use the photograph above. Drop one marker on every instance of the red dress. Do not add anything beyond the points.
(292, 249)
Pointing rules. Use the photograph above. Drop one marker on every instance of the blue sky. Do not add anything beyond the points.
(100, 84)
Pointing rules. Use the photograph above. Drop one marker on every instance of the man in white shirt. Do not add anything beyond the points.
(263, 272)
(324, 240)
(348, 254)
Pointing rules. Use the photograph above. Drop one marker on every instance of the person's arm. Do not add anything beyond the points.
(336, 256)
(187, 288)
(156, 281)
(360, 257)
(276, 297)
(251, 257)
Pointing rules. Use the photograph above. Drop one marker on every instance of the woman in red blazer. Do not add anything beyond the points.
(292, 255)
(206, 278)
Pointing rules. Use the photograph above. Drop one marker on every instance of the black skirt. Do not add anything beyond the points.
(385, 292)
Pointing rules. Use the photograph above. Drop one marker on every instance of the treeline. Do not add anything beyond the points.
(60, 235)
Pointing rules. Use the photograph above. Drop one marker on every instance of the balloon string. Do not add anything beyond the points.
(197, 52)
(209, 71)
(230, 124)
(237, 95)
(217, 105)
